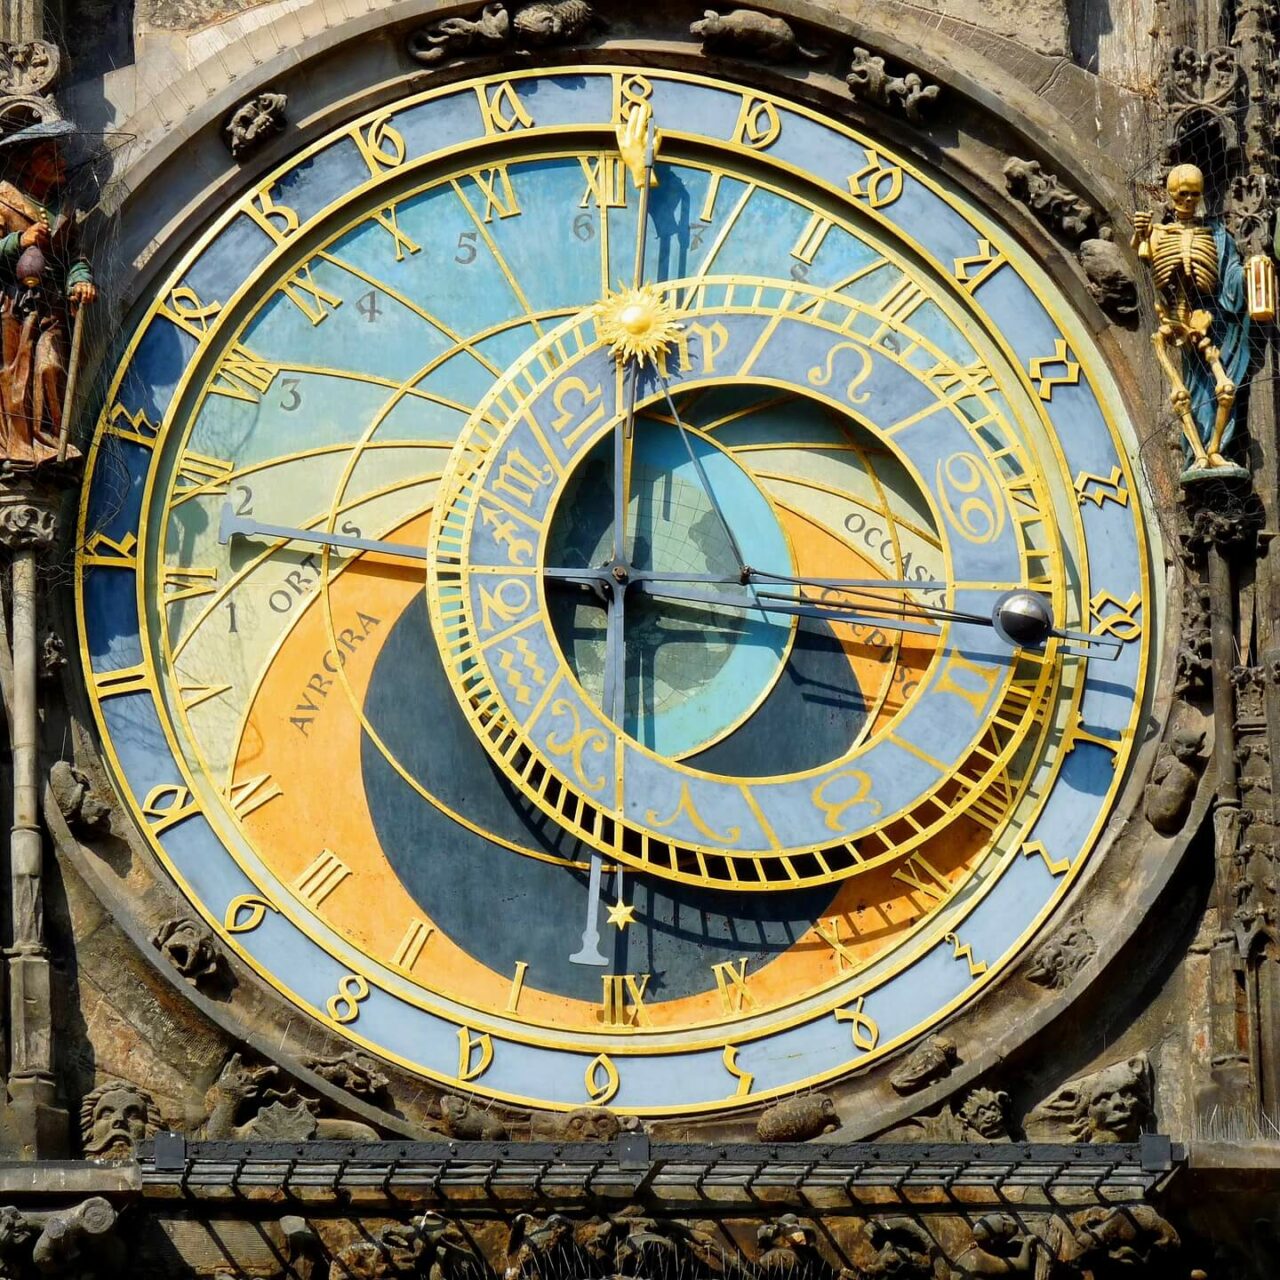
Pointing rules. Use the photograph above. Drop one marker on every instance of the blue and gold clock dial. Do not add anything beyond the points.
(573, 728)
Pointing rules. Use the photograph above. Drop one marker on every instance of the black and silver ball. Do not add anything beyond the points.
(1023, 619)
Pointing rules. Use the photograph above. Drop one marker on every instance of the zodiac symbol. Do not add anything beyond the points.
(686, 807)
(819, 377)
(580, 740)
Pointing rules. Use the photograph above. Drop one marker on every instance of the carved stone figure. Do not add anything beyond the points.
(80, 1243)
(463, 1119)
(254, 123)
(44, 275)
(17, 1232)
(354, 1072)
(189, 947)
(1063, 956)
(447, 1251)
(114, 1119)
(788, 1247)
(1169, 795)
(273, 1113)
(1109, 277)
(555, 22)
(1002, 1246)
(545, 1248)
(453, 37)
(28, 68)
(798, 1119)
(391, 1253)
(983, 1115)
(1194, 659)
(72, 793)
(744, 33)
(586, 1124)
(1202, 340)
(904, 1250)
(53, 655)
(869, 81)
(931, 1062)
(1056, 205)
(1118, 1240)
(1111, 1105)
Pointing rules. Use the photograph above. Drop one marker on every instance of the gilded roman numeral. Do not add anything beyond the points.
(731, 982)
(187, 583)
(244, 375)
(499, 195)
(312, 299)
(199, 473)
(404, 244)
(325, 873)
(898, 305)
(411, 945)
(622, 1003)
(829, 932)
(194, 694)
(606, 177)
(111, 684)
(810, 239)
(919, 875)
(250, 795)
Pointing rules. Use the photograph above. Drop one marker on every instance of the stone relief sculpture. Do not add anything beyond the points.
(1174, 779)
(114, 1119)
(1063, 956)
(931, 1062)
(453, 37)
(189, 947)
(744, 33)
(356, 1073)
(1202, 340)
(72, 792)
(539, 26)
(870, 81)
(497, 27)
(1056, 205)
(254, 123)
(798, 1119)
(1111, 1105)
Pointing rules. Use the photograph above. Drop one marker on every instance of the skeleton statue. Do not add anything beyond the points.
(1202, 338)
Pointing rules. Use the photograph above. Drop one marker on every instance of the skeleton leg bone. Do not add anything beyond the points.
(1180, 400)
(1224, 392)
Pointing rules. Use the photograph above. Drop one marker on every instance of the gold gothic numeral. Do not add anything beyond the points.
(758, 125)
(106, 551)
(601, 1079)
(169, 804)
(731, 981)
(1121, 622)
(1036, 849)
(277, 220)
(135, 427)
(321, 877)
(972, 270)
(183, 307)
(381, 146)
(1098, 489)
(246, 913)
(877, 183)
(622, 1001)
(501, 108)
(344, 1007)
(471, 1067)
(745, 1079)
(963, 951)
(864, 1029)
(1040, 367)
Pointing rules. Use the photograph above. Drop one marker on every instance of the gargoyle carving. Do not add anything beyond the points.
(744, 33)
(798, 1119)
(1111, 1105)
(869, 81)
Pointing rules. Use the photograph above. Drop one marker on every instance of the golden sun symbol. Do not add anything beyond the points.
(638, 324)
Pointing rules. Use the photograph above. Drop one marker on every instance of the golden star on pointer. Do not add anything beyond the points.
(621, 914)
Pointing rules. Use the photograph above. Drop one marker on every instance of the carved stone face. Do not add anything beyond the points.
(1115, 1114)
(118, 1122)
(1186, 745)
(983, 1112)
(1185, 185)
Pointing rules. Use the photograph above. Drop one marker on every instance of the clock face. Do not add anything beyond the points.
(580, 693)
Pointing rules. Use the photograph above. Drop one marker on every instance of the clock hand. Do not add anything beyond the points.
(715, 579)
(590, 952)
(231, 525)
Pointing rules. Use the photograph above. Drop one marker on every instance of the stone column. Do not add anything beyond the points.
(32, 1123)
(21, 20)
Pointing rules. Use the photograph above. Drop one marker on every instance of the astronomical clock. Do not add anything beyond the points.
(607, 586)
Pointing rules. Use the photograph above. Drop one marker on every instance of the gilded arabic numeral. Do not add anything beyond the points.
(277, 220)
(504, 604)
(135, 427)
(388, 221)
(187, 584)
(1098, 489)
(864, 1028)
(501, 108)
(971, 271)
(381, 145)
(963, 951)
(758, 125)
(877, 183)
(244, 375)
(606, 176)
(110, 553)
(168, 804)
(183, 307)
(601, 1079)
(250, 795)
(416, 937)
(922, 877)
(320, 877)
(622, 1002)
(475, 1054)
(246, 912)
(344, 1007)
(519, 478)
(312, 299)
(731, 982)
(629, 90)
(1121, 621)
